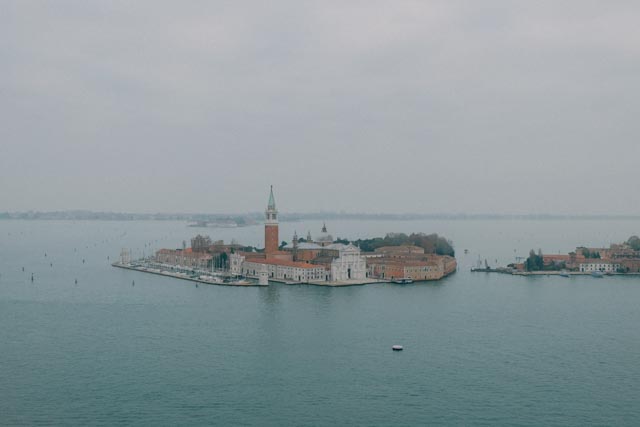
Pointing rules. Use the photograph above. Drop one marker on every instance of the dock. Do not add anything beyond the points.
(506, 270)
(184, 276)
(200, 276)
(358, 282)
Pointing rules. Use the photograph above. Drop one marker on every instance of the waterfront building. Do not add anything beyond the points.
(435, 268)
(630, 265)
(570, 261)
(408, 261)
(202, 254)
(184, 258)
(279, 269)
(396, 269)
(628, 257)
(615, 258)
(623, 251)
(349, 264)
(319, 260)
(344, 262)
(280, 265)
(604, 266)
(400, 251)
(322, 260)
(235, 263)
(310, 261)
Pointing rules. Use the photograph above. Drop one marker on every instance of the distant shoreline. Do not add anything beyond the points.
(253, 218)
(544, 272)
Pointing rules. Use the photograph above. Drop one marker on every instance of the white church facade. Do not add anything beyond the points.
(349, 265)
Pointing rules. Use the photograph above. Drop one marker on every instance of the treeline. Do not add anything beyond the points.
(80, 215)
(431, 243)
(590, 255)
(535, 262)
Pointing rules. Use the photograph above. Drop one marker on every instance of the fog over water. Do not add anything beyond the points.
(413, 106)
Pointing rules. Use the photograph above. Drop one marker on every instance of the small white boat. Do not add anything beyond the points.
(402, 281)
(564, 273)
(397, 348)
(598, 274)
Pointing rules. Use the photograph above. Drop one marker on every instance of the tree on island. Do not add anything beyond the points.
(593, 255)
(217, 261)
(431, 243)
(223, 260)
(535, 262)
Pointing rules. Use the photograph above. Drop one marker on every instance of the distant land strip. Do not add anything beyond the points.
(251, 218)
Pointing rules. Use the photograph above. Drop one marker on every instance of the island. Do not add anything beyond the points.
(618, 258)
(320, 260)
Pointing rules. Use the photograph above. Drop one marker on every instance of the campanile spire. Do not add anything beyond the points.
(271, 226)
(272, 201)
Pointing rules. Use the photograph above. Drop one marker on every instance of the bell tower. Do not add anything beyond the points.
(271, 227)
(294, 242)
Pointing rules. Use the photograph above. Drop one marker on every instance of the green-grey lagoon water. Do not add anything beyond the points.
(480, 349)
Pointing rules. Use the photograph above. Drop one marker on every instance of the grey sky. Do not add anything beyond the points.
(394, 106)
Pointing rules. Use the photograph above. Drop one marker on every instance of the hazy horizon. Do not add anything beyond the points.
(301, 215)
(491, 107)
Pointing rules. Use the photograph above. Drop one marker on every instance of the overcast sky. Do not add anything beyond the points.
(362, 106)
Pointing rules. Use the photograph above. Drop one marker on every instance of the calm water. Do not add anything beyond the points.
(479, 349)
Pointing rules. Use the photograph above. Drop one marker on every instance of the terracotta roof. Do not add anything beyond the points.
(400, 262)
(252, 255)
(285, 263)
(560, 257)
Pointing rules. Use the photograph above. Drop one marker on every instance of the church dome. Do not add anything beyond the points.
(324, 237)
